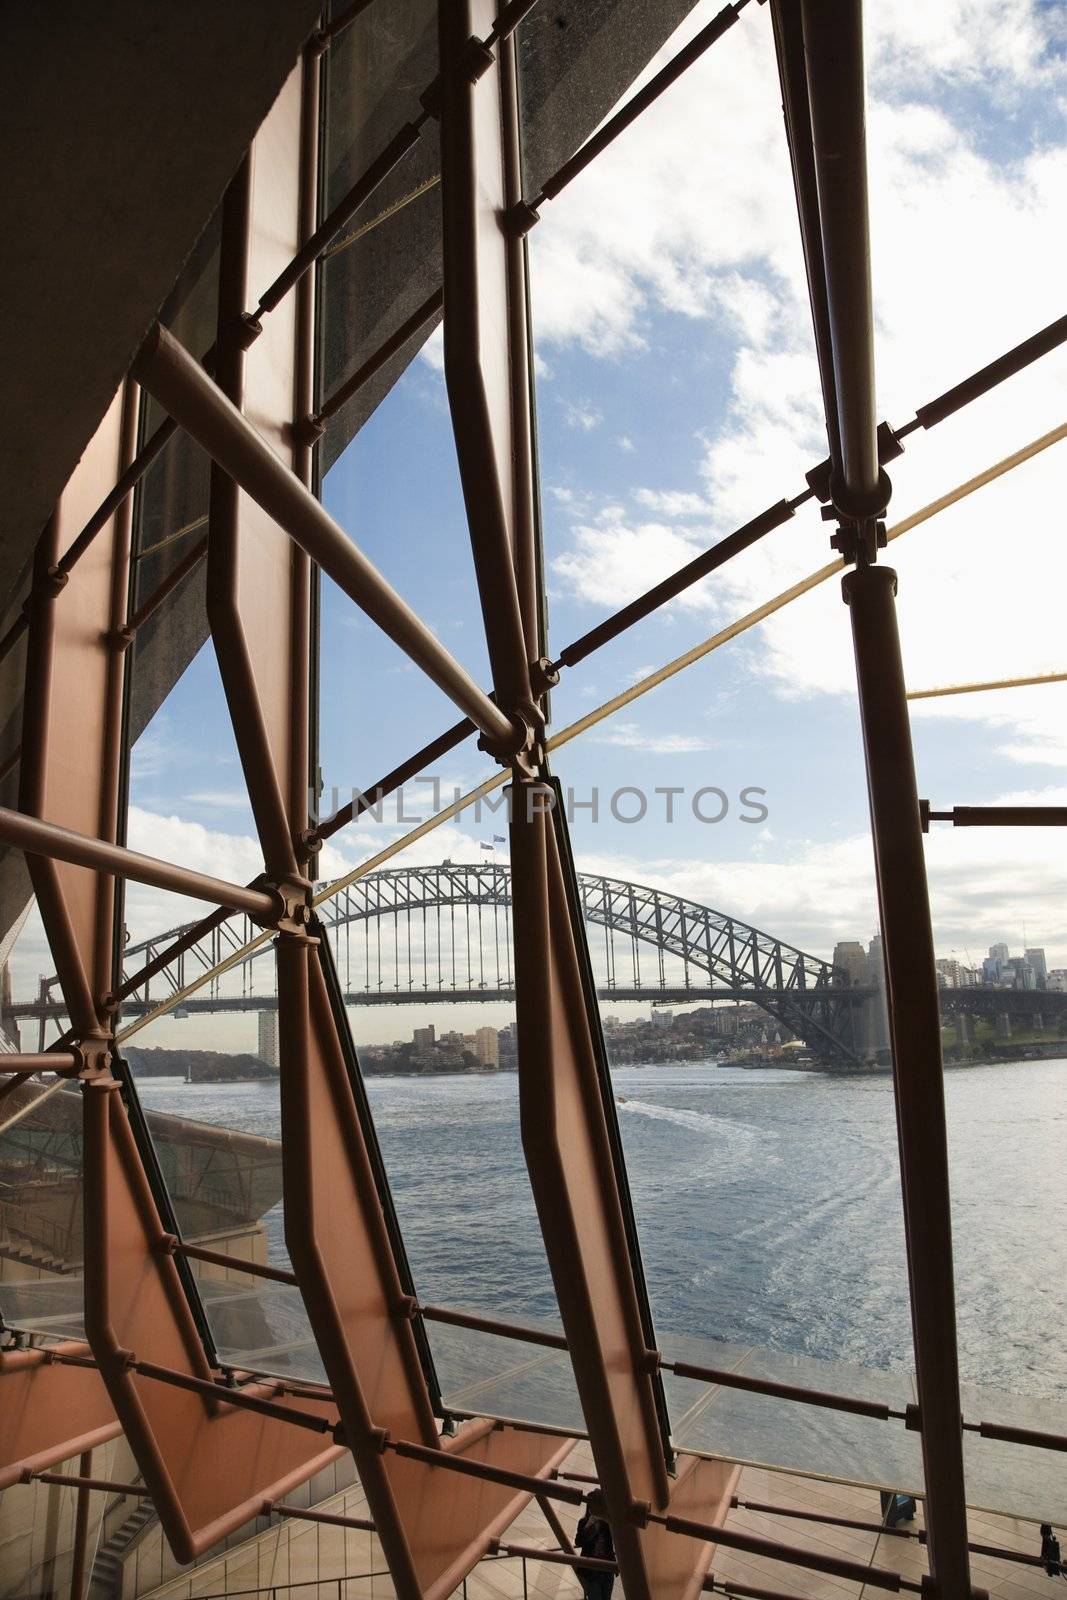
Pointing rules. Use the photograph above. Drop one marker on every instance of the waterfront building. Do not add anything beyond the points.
(487, 1047)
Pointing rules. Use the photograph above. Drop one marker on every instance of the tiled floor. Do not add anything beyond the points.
(312, 1555)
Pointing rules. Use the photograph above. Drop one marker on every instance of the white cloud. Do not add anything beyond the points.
(673, 502)
(632, 737)
(986, 885)
(616, 557)
(433, 351)
(582, 415)
(967, 178)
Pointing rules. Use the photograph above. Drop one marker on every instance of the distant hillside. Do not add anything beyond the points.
(199, 1066)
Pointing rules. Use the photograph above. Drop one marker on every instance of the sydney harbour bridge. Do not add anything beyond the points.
(443, 934)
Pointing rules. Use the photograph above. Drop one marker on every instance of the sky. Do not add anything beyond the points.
(678, 396)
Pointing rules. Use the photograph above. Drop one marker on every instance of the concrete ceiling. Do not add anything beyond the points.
(121, 122)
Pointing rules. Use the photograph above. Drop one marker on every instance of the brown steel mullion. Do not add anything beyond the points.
(859, 490)
(339, 1243)
(36, 729)
(569, 1156)
(346, 1262)
(226, 549)
(833, 56)
(915, 1034)
(789, 48)
(81, 1532)
(480, 376)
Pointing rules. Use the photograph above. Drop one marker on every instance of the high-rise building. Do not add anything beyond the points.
(487, 1047)
(425, 1038)
(268, 1038)
(1036, 958)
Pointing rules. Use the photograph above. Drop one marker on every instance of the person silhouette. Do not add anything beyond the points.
(593, 1539)
(1050, 1552)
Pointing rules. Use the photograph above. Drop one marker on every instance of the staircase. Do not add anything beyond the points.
(106, 1582)
(16, 1246)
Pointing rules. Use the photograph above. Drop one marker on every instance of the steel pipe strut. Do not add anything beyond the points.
(306, 1514)
(640, 102)
(784, 1391)
(169, 373)
(217, 1258)
(385, 352)
(65, 1062)
(997, 816)
(915, 1037)
(80, 1481)
(63, 844)
(987, 377)
(833, 43)
(380, 168)
(225, 1395)
(836, 1566)
(502, 1330)
(489, 1474)
(677, 583)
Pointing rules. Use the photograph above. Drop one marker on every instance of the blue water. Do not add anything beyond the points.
(768, 1204)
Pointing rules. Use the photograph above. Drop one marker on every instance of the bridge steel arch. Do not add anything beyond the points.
(805, 994)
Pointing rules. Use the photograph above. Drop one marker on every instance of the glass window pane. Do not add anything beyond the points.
(41, 1226)
(423, 951)
(202, 1057)
(386, 261)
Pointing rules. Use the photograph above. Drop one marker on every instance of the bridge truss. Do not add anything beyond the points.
(444, 933)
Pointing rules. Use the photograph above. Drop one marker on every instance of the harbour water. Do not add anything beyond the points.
(768, 1205)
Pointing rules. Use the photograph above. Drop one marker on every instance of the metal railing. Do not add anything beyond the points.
(333, 1588)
